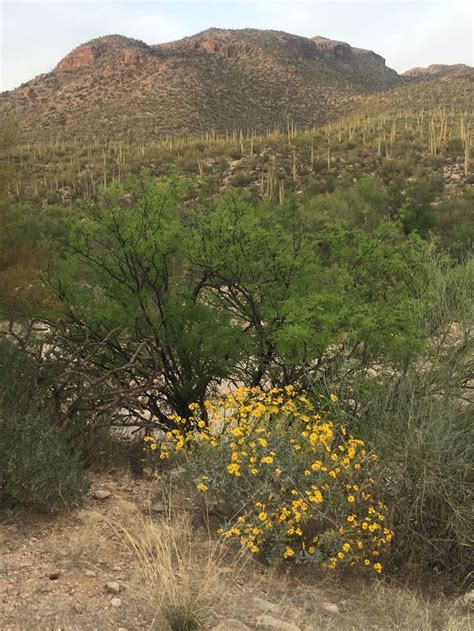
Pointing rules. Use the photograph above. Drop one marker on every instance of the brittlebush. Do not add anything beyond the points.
(287, 483)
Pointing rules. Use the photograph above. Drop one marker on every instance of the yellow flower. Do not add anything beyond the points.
(346, 547)
(378, 567)
(263, 516)
(333, 397)
(289, 552)
(202, 487)
(351, 499)
(267, 460)
(234, 469)
(153, 446)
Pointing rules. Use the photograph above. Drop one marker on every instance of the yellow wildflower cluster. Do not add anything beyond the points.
(297, 481)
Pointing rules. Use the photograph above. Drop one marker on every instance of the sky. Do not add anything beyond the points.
(36, 35)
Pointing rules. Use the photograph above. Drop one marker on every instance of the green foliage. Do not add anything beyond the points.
(419, 419)
(145, 310)
(38, 466)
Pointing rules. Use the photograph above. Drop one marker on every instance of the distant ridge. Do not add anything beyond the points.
(436, 70)
(119, 87)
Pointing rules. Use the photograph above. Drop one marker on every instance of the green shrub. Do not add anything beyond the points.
(419, 419)
(425, 443)
(38, 469)
(240, 180)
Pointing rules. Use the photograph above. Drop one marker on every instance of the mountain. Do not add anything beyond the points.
(117, 87)
(436, 71)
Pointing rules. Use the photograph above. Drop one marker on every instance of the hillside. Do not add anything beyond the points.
(423, 124)
(117, 87)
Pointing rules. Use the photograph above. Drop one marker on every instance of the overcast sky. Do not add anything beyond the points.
(35, 35)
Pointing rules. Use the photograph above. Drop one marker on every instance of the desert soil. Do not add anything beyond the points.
(73, 572)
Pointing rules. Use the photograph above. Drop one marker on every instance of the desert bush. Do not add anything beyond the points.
(286, 483)
(419, 419)
(240, 180)
(38, 468)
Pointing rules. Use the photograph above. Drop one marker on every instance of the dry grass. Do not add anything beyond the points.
(187, 581)
(179, 575)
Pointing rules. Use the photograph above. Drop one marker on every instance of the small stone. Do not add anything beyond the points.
(269, 623)
(102, 494)
(266, 605)
(53, 576)
(231, 625)
(125, 507)
(330, 607)
(115, 602)
(90, 573)
(112, 587)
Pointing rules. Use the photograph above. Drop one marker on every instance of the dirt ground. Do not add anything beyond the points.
(73, 572)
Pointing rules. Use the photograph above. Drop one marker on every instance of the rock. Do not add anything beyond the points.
(269, 623)
(53, 576)
(115, 602)
(102, 494)
(125, 507)
(112, 587)
(90, 573)
(330, 607)
(231, 625)
(266, 605)
(468, 598)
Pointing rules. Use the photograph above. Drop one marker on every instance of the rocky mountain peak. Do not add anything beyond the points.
(89, 53)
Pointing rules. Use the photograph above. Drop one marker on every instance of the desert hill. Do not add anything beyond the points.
(436, 71)
(117, 87)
